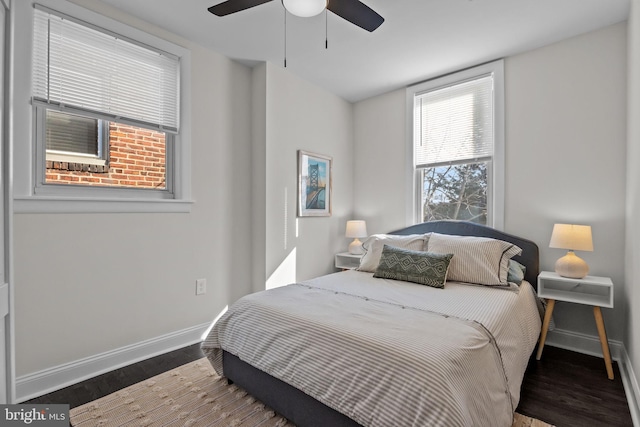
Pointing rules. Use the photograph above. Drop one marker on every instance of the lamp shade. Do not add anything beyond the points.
(356, 229)
(572, 237)
(305, 8)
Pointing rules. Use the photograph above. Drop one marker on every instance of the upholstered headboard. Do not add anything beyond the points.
(529, 257)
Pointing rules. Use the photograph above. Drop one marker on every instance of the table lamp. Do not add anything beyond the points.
(572, 237)
(356, 229)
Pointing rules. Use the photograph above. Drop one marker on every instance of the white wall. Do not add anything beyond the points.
(91, 283)
(258, 176)
(566, 151)
(301, 116)
(632, 266)
(380, 179)
(565, 156)
(88, 284)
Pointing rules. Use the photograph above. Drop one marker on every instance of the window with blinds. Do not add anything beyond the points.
(106, 109)
(453, 141)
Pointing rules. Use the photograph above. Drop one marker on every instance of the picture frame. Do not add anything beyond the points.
(314, 184)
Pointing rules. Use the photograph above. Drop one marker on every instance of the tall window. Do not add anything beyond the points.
(106, 109)
(457, 146)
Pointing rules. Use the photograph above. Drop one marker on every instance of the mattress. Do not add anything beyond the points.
(386, 352)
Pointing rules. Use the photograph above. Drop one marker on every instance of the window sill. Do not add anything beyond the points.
(44, 204)
(59, 158)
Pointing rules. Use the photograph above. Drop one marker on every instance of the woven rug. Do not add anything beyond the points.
(191, 395)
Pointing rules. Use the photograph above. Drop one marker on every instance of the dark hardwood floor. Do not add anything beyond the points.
(102, 385)
(564, 388)
(569, 389)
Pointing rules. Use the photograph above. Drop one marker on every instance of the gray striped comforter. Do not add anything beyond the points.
(389, 353)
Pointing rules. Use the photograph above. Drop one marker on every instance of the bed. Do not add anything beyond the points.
(358, 348)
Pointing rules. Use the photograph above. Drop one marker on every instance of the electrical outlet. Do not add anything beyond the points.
(201, 286)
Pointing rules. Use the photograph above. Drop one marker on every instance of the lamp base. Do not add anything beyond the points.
(572, 266)
(355, 247)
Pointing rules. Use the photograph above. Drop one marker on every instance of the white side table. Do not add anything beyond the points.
(347, 261)
(590, 290)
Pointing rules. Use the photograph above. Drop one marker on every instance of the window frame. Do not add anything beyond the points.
(495, 166)
(49, 189)
(32, 195)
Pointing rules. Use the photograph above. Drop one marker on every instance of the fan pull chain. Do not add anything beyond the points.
(326, 30)
(285, 37)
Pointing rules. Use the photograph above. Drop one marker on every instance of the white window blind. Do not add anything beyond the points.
(454, 124)
(99, 72)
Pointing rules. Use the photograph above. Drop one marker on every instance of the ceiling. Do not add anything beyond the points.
(419, 39)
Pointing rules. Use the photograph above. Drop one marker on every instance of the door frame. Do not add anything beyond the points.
(7, 180)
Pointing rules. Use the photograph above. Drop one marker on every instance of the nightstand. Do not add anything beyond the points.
(347, 261)
(590, 290)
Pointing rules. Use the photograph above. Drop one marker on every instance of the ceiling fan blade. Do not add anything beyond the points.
(357, 13)
(232, 6)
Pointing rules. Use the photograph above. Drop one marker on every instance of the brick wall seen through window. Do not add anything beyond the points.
(137, 158)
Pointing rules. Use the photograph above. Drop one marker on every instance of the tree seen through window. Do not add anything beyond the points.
(455, 192)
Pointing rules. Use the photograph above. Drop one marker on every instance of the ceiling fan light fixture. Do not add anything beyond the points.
(305, 8)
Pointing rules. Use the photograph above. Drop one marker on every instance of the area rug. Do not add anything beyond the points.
(191, 395)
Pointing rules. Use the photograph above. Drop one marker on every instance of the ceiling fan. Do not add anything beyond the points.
(353, 11)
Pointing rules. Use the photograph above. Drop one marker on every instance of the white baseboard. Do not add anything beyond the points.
(582, 343)
(631, 387)
(52, 379)
(588, 344)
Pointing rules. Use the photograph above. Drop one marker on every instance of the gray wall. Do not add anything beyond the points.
(565, 154)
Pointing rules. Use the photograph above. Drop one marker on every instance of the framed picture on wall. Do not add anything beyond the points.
(314, 184)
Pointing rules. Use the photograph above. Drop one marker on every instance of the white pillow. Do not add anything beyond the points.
(475, 259)
(373, 247)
